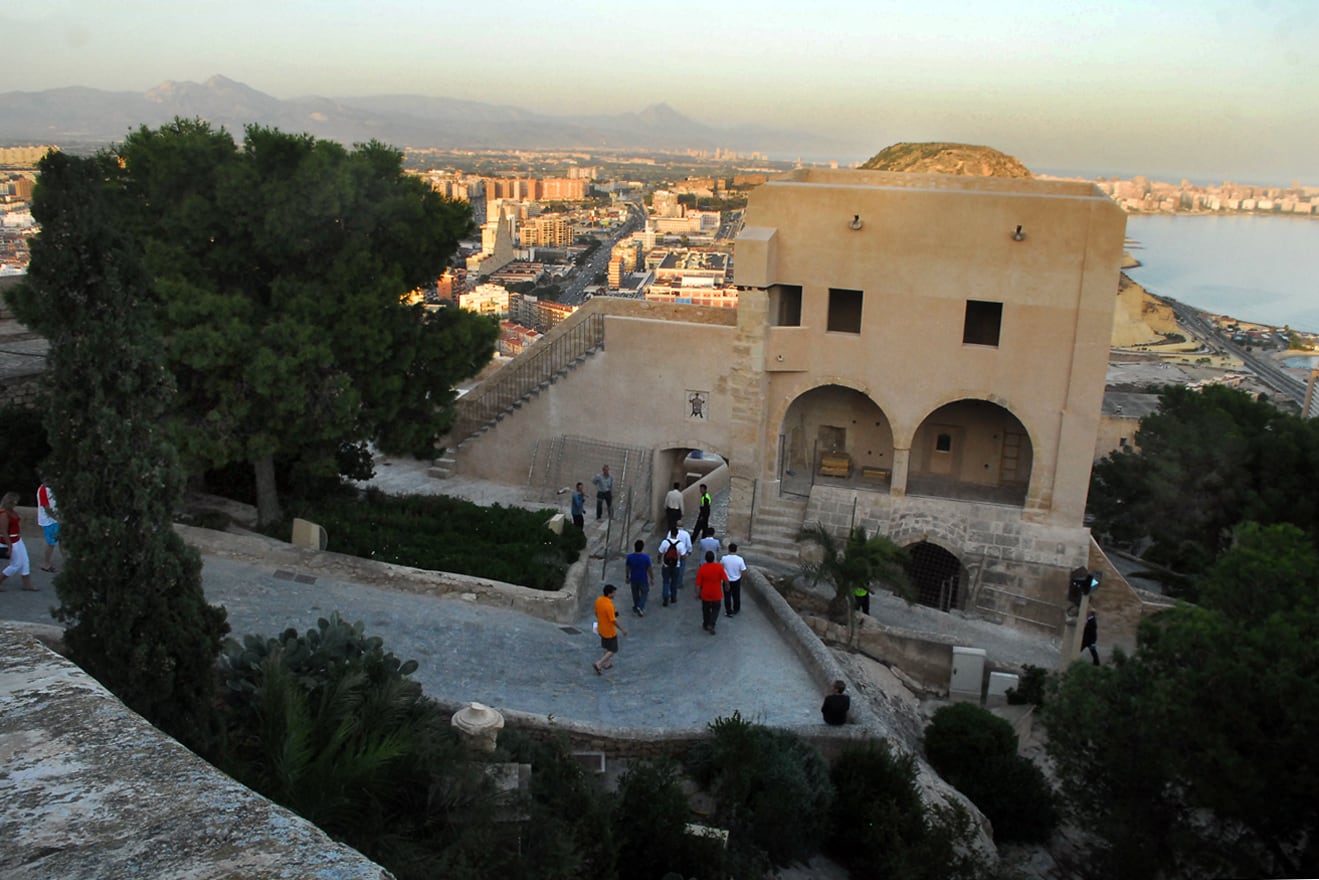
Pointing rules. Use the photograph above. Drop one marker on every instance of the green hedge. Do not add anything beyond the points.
(439, 533)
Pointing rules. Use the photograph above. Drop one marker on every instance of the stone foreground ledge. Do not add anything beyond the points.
(89, 789)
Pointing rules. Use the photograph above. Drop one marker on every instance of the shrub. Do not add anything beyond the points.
(439, 533)
(328, 724)
(976, 752)
(962, 736)
(772, 789)
(1034, 680)
(882, 828)
(650, 826)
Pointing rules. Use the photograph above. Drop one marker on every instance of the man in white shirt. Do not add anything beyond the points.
(734, 568)
(673, 506)
(685, 537)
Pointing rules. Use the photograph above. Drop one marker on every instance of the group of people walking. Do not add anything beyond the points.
(718, 579)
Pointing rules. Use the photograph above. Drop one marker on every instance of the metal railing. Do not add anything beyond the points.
(528, 372)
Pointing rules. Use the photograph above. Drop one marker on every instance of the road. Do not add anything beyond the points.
(1286, 385)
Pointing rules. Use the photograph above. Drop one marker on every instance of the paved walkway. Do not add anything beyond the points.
(669, 674)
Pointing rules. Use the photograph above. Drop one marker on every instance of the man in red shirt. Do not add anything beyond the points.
(710, 590)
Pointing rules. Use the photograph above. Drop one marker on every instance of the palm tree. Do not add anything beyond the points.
(861, 562)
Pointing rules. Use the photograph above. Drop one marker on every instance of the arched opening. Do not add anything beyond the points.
(971, 450)
(936, 576)
(834, 434)
(688, 467)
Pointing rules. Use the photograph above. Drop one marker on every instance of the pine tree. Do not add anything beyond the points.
(130, 592)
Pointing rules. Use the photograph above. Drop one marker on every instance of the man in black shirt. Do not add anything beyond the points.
(836, 705)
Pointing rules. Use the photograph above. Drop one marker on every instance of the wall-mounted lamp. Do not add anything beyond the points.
(1018, 235)
(856, 222)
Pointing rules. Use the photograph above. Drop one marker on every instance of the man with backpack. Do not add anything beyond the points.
(671, 551)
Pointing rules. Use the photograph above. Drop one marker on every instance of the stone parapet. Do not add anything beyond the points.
(90, 790)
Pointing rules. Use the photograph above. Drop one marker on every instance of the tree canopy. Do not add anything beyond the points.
(1195, 757)
(130, 590)
(1205, 462)
(277, 271)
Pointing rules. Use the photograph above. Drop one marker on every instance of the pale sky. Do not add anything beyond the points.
(1204, 89)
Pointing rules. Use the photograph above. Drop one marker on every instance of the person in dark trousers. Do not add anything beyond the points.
(836, 704)
(604, 492)
(703, 516)
(639, 574)
(1090, 635)
(710, 590)
(734, 567)
(673, 506)
(579, 507)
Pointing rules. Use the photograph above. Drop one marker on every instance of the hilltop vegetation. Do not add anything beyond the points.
(943, 158)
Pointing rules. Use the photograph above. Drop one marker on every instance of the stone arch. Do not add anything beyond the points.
(972, 449)
(833, 418)
(675, 461)
(938, 577)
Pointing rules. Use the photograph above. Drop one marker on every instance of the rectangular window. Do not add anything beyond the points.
(983, 320)
(785, 305)
(844, 311)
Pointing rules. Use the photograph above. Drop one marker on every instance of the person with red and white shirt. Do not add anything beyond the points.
(48, 518)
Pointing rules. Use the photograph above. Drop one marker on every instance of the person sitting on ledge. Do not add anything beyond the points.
(836, 705)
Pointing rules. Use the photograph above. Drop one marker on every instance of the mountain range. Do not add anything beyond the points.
(93, 116)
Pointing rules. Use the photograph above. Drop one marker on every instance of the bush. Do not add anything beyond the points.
(976, 751)
(963, 736)
(772, 789)
(1034, 680)
(438, 533)
(329, 725)
(650, 826)
(882, 828)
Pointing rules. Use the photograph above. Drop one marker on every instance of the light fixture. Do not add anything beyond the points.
(1018, 235)
(856, 222)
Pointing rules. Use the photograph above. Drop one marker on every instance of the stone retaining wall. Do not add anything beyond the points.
(91, 790)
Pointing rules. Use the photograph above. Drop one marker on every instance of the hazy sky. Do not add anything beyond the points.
(1205, 89)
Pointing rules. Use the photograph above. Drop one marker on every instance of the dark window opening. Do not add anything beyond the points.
(983, 321)
(785, 305)
(943, 443)
(844, 311)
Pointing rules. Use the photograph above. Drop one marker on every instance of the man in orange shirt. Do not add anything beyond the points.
(710, 590)
(606, 621)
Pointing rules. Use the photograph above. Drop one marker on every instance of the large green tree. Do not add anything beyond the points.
(1195, 756)
(279, 268)
(1208, 460)
(131, 590)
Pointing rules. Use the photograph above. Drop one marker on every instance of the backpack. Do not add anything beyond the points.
(671, 554)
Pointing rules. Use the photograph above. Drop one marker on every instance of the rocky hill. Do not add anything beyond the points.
(937, 158)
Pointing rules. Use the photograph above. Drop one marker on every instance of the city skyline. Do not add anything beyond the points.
(1210, 91)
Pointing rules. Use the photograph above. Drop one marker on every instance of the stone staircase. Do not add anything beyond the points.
(778, 522)
(563, 349)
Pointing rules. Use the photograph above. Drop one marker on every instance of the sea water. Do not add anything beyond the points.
(1258, 268)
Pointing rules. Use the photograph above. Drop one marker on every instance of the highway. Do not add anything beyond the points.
(1286, 385)
(599, 260)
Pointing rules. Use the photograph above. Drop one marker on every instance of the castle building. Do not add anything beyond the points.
(922, 355)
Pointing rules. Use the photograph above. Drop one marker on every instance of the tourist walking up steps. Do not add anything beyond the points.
(638, 574)
(734, 568)
(703, 516)
(670, 554)
(673, 506)
(710, 590)
(606, 622)
(604, 492)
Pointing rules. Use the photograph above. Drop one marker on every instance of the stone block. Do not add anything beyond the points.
(309, 534)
